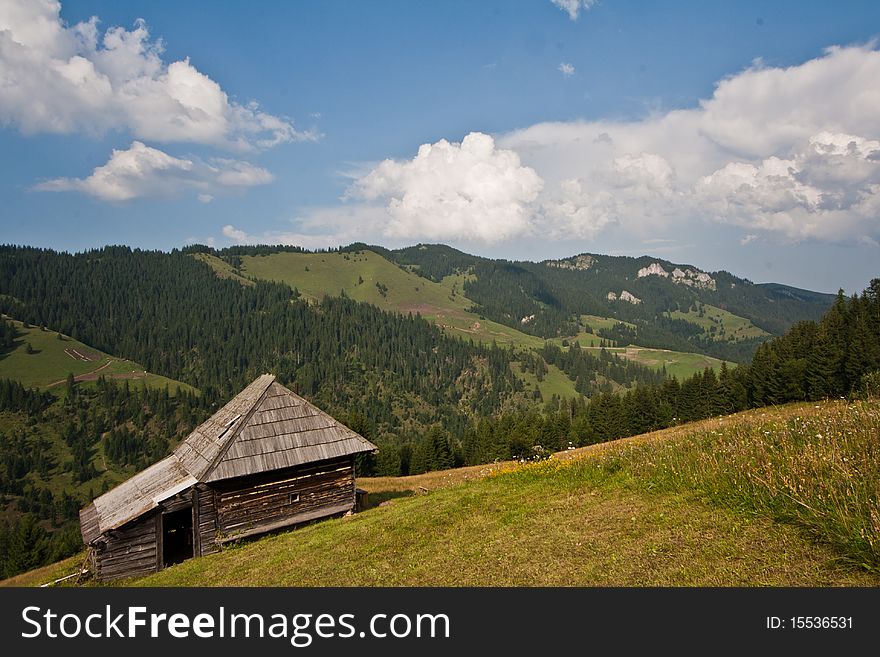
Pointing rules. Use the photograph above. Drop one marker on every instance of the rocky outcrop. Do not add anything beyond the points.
(689, 277)
(580, 262)
(624, 296)
(693, 278)
(654, 269)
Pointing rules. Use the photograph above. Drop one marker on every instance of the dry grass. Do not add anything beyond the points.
(547, 530)
(655, 510)
(816, 466)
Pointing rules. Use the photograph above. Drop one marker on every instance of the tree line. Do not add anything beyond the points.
(837, 356)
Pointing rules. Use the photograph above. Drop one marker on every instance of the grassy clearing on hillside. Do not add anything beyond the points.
(676, 507)
(595, 322)
(727, 325)
(53, 358)
(368, 277)
(222, 268)
(361, 275)
(556, 382)
(584, 339)
(678, 363)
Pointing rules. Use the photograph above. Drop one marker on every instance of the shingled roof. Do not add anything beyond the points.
(264, 427)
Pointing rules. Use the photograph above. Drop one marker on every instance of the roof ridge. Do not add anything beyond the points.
(240, 422)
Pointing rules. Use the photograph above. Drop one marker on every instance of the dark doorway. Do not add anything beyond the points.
(177, 536)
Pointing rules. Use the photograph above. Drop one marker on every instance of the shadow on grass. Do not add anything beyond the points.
(377, 498)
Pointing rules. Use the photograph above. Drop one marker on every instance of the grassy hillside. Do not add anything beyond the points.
(222, 268)
(54, 356)
(677, 363)
(555, 382)
(779, 496)
(720, 324)
(369, 277)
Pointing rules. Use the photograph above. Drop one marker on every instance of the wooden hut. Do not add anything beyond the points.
(267, 460)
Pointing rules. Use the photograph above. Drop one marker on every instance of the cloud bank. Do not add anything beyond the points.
(72, 79)
(791, 152)
(786, 153)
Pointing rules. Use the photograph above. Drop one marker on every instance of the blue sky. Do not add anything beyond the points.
(724, 135)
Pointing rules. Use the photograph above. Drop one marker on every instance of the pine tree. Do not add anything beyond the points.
(821, 367)
(27, 545)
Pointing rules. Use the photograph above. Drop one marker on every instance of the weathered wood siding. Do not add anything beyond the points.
(274, 499)
(226, 509)
(206, 520)
(88, 524)
(130, 551)
(134, 549)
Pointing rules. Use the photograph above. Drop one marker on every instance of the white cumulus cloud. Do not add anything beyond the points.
(766, 110)
(574, 7)
(462, 191)
(235, 234)
(566, 69)
(573, 211)
(142, 171)
(59, 78)
(827, 189)
(792, 152)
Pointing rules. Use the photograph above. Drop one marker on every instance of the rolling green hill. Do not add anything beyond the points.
(53, 356)
(676, 363)
(718, 324)
(370, 277)
(639, 291)
(554, 382)
(671, 508)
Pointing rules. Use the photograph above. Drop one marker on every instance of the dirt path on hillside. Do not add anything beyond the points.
(84, 377)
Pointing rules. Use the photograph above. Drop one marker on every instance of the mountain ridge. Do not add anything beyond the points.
(547, 299)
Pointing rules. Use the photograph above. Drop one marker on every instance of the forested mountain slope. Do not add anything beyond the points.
(649, 302)
(642, 291)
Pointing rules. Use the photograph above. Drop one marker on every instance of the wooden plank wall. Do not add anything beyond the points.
(129, 551)
(88, 523)
(227, 508)
(249, 502)
(206, 509)
(134, 549)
